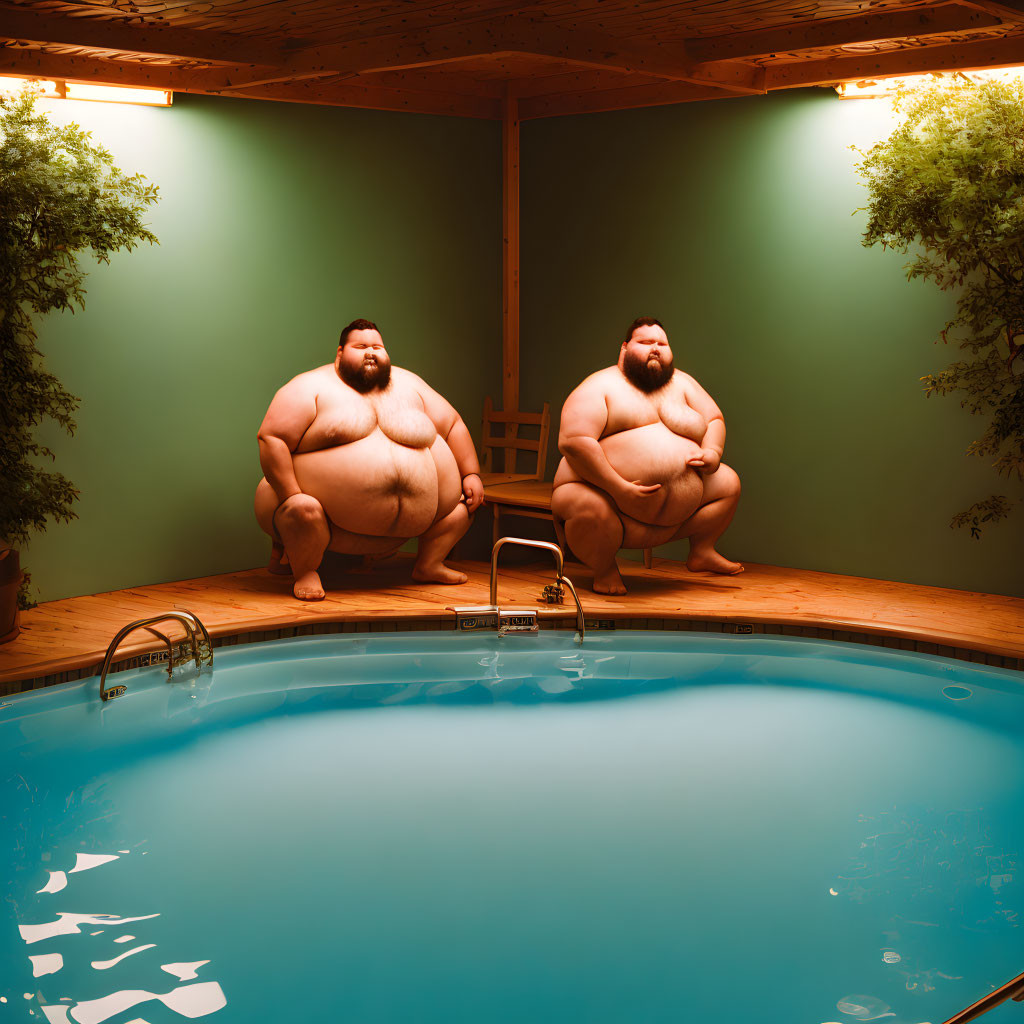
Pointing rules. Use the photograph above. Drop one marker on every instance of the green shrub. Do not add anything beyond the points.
(60, 194)
(950, 182)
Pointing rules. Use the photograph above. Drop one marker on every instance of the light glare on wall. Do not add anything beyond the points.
(63, 90)
(882, 88)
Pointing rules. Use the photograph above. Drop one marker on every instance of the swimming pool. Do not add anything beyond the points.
(435, 827)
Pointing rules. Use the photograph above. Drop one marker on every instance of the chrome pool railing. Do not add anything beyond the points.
(560, 576)
(1011, 990)
(193, 648)
(490, 616)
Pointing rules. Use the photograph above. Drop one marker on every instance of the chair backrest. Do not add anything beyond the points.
(509, 441)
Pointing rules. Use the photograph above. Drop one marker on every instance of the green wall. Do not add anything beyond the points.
(731, 221)
(278, 223)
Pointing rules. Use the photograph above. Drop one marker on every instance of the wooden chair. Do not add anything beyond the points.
(516, 493)
(511, 444)
(511, 493)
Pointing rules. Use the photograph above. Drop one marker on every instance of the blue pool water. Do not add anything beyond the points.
(434, 828)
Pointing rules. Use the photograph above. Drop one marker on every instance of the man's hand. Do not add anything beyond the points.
(633, 489)
(473, 491)
(707, 459)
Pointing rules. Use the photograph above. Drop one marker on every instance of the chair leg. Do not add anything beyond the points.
(648, 558)
(496, 530)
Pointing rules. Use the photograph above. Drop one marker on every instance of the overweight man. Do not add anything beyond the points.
(358, 457)
(642, 445)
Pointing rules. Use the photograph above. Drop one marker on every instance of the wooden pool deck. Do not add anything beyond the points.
(62, 640)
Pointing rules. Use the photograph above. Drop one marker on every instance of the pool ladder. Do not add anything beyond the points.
(507, 620)
(1011, 990)
(197, 646)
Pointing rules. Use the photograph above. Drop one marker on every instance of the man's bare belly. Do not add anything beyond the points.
(379, 488)
(651, 454)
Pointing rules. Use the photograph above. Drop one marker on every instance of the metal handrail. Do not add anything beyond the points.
(1011, 990)
(543, 545)
(207, 643)
(199, 652)
(580, 628)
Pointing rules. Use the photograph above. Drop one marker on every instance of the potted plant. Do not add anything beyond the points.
(60, 194)
(950, 181)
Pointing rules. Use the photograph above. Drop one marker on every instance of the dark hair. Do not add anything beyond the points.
(357, 325)
(643, 321)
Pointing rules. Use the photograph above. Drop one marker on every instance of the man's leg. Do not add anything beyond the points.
(436, 543)
(593, 529)
(709, 522)
(303, 527)
(371, 548)
(265, 506)
(278, 563)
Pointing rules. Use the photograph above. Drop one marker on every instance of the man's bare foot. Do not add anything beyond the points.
(609, 582)
(712, 561)
(439, 573)
(278, 563)
(308, 587)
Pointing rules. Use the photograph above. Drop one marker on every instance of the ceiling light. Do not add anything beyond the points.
(63, 90)
(875, 88)
(43, 86)
(118, 94)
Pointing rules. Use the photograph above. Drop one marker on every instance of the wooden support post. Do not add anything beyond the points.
(510, 267)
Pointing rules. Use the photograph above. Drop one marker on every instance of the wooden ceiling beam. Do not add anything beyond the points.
(37, 64)
(598, 50)
(574, 82)
(151, 40)
(631, 97)
(389, 52)
(25, 62)
(449, 14)
(943, 19)
(454, 81)
(1006, 11)
(375, 97)
(455, 42)
(361, 54)
(962, 56)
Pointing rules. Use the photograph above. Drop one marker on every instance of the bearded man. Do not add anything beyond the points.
(358, 457)
(642, 445)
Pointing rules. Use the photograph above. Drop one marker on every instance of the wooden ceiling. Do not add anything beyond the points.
(465, 57)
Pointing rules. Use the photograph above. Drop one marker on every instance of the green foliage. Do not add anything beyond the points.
(950, 182)
(60, 194)
(981, 512)
(25, 592)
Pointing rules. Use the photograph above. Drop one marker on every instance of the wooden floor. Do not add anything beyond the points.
(72, 635)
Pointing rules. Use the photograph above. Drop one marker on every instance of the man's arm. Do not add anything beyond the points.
(713, 443)
(584, 418)
(291, 412)
(456, 435)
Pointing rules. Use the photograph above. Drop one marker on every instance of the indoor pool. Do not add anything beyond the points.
(653, 827)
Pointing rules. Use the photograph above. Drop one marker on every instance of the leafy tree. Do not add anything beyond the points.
(950, 182)
(60, 194)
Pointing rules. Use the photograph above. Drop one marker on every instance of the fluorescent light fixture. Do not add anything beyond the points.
(117, 94)
(59, 89)
(43, 86)
(878, 88)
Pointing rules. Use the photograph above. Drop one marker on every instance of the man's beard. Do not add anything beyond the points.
(647, 376)
(366, 377)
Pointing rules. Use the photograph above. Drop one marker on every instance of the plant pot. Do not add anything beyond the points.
(10, 583)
